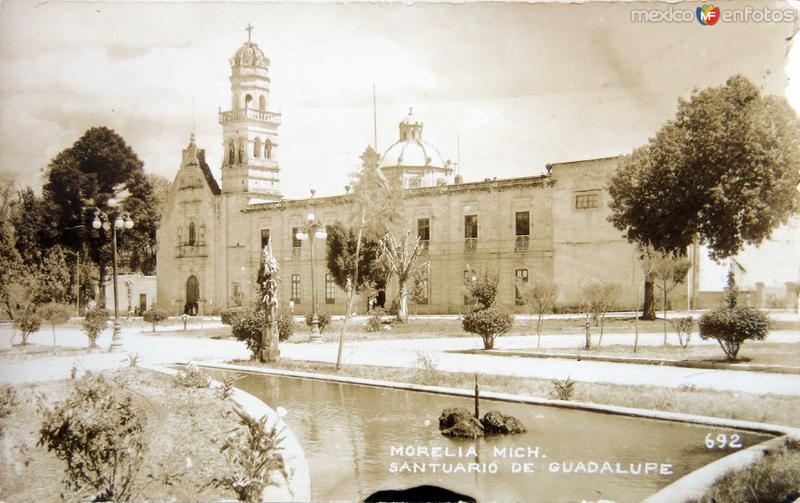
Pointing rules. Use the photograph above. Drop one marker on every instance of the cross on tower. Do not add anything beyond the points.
(249, 29)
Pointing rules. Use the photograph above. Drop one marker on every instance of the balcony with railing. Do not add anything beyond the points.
(250, 113)
(521, 243)
(187, 250)
(296, 251)
(470, 245)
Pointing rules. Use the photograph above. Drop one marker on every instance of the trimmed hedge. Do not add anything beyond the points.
(731, 327)
(488, 323)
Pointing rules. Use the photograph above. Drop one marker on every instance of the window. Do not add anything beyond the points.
(470, 233)
(587, 201)
(192, 234)
(257, 148)
(296, 243)
(247, 100)
(424, 232)
(330, 289)
(264, 238)
(296, 288)
(268, 149)
(262, 103)
(522, 230)
(231, 153)
(520, 278)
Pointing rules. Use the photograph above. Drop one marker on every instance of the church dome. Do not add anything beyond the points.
(250, 55)
(411, 150)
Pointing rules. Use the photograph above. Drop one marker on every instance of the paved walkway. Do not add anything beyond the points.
(167, 347)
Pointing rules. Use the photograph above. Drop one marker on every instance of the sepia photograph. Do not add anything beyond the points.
(399, 251)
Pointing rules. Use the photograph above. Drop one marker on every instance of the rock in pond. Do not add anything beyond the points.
(452, 416)
(495, 422)
(466, 428)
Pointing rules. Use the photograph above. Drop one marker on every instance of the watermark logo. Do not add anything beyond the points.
(707, 15)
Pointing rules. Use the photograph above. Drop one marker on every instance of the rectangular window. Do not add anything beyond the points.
(587, 201)
(522, 230)
(296, 243)
(296, 288)
(424, 232)
(470, 233)
(264, 238)
(330, 289)
(520, 278)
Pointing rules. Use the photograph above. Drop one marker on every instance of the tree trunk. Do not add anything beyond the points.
(649, 308)
(402, 307)
(665, 314)
(539, 332)
(101, 292)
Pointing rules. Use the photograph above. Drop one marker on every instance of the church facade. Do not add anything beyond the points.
(211, 236)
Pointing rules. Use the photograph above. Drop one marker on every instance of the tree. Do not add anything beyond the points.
(54, 314)
(723, 172)
(402, 258)
(732, 325)
(598, 297)
(94, 323)
(540, 296)
(85, 176)
(27, 323)
(669, 270)
(341, 257)
(154, 316)
(485, 319)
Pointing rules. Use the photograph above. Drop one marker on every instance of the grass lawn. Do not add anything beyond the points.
(743, 406)
(28, 351)
(183, 431)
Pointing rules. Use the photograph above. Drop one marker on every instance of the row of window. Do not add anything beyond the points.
(330, 289)
(238, 156)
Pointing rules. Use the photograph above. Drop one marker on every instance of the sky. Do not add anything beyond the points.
(521, 85)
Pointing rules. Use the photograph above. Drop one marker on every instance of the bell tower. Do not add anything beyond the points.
(250, 132)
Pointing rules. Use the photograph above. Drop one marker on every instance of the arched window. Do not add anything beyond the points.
(268, 149)
(192, 234)
(247, 100)
(231, 153)
(241, 152)
(262, 103)
(257, 148)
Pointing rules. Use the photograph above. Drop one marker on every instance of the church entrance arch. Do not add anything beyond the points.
(192, 306)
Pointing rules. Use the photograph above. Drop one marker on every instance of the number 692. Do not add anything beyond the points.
(723, 441)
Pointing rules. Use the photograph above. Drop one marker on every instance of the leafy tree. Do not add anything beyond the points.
(10, 260)
(723, 172)
(323, 320)
(403, 259)
(669, 270)
(540, 296)
(94, 323)
(485, 319)
(342, 243)
(154, 316)
(54, 314)
(54, 278)
(27, 323)
(84, 176)
(598, 297)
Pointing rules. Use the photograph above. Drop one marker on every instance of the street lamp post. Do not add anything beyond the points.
(311, 231)
(121, 221)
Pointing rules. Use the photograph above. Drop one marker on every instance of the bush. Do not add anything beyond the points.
(488, 323)
(253, 455)
(285, 325)
(731, 327)
(98, 434)
(483, 291)
(8, 400)
(323, 320)
(94, 323)
(375, 320)
(191, 377)
(54, 314)
(247, 327)
(563, 390)
(683, 327)
(154, 316)
(27, 323)
(229, 315)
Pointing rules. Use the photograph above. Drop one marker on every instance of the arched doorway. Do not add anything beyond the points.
(192, 296)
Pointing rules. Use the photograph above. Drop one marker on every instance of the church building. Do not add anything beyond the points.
(211, 236)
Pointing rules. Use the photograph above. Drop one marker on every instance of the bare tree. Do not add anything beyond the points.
(598, 298)
(540, 296)
(402, 258)
(669, 270)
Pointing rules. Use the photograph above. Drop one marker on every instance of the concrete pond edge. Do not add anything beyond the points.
(298, 483)
(693, 484)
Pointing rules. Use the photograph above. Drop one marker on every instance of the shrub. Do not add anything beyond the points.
(731, 327)
(563, 389)
(191, 377)
(375, 320)
(229, 315)
(27, 323)
(247, 327)
(98, 434)
(427, 373)
(483, 291)
(285, 325)
(54, 314)
(228, 384)
(94, 323)
(323, 320)
(8, 400)
(154, 316)
(488, 323)
(683, 327)
(253, 455)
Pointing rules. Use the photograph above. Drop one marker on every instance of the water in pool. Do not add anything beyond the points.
(352, 434)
